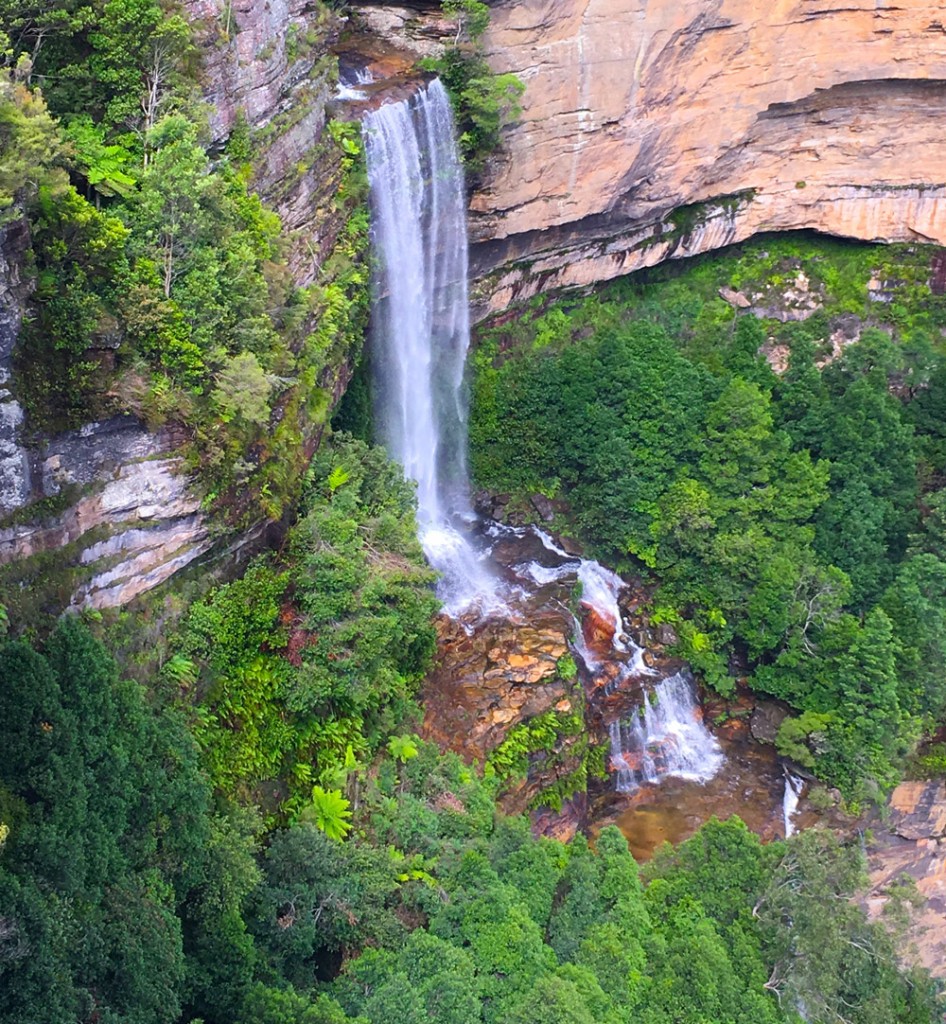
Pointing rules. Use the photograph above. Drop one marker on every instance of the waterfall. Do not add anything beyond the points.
(421, 331)
(600, 590)
(793, 790)
(349, 83)
(665, 738)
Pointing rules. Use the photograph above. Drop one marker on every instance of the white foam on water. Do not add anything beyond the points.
(542, 575)
(665, 738)
(550, 544)
(347, 88)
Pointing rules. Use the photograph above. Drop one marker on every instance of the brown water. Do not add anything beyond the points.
(493, 674)
(750, 784)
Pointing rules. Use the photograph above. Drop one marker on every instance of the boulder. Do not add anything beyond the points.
(738, 300)
(766, 720)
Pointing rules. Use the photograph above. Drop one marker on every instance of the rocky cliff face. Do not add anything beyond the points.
(911, 843)
(268, 64)
(14, 459)
(654, 129)
(99, 515)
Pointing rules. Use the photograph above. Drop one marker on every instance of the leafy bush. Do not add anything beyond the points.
(483, 102)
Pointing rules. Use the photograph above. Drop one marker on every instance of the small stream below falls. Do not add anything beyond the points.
(669, 769)
(515, 600)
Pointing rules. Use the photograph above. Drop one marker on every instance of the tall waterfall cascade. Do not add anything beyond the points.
(666, 738)
(419, 343)
(421, 331)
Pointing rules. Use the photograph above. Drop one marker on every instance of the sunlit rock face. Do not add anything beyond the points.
(801, 113)
(911, 841)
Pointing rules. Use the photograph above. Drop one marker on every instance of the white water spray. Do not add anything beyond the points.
(665, 738)
(348, 86)
(421, 331)
(793, 791)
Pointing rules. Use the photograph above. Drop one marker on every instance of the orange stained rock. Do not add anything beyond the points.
(820, 115)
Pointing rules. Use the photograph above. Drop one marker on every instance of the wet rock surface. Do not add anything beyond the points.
(766, 720)
(491, 679)
(563, 824)
(494, 675)
(918, 810)
(15, 482)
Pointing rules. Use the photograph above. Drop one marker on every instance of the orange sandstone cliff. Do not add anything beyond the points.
(749, 116)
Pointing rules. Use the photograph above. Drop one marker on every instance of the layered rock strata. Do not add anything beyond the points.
(128, 516)
(113, 495)
(652, 130)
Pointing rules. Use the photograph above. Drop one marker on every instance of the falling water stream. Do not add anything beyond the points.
(421, 332)
(793, 791)
(664, 738)
(420, 337)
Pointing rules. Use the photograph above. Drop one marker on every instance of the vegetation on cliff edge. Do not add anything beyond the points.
(161, 280)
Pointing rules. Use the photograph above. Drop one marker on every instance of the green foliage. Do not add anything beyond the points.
(29, 144)
(241, 726)
(308, 664)
(81, 269)
(541, 733)
(243, 390)
(402, 748)
(931, 764)
(361, 585)
(830, 959)
(483, 102)
(109, 839)
(169, 295)
(105, 167)
(776, 515)
(329, 812)
(318, 895)
(566, 668)
(123, 890)
(803, 737)
(552, 750)
(229, 627)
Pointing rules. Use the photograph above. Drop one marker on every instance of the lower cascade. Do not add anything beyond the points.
(666, 737)
(793, 792)
(421, 331)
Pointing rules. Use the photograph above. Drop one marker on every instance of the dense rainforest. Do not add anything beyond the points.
(775, 473)
(215, 806)
(254, 835)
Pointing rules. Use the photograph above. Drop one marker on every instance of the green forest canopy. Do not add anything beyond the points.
(248, 831)
(791, 522)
